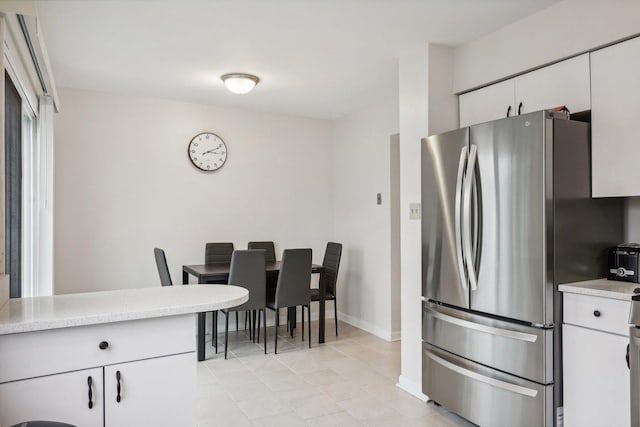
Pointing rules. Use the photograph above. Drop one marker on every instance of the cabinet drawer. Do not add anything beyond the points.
(33, 354)
(614, 314)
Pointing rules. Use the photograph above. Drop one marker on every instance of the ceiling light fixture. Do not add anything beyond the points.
(240, 83)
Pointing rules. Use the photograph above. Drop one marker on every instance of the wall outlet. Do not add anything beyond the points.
(415, 211)
(379, 198)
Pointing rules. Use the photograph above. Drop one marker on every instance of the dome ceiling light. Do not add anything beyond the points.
(240, 83)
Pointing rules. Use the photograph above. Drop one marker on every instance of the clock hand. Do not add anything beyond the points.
(211, 151)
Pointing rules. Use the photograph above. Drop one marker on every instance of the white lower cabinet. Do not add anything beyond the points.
(152, 392)
(596, 385)
(61, 397)
(150, 364)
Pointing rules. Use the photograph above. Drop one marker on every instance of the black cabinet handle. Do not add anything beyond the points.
(596, 313)
(519, 108)
(627, 357)
(118, 387)
(103, 345)
(508, 110)
(90, 382)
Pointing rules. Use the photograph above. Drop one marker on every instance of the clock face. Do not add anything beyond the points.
(207, 151)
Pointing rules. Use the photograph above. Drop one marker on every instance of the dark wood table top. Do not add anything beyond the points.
(223, 269)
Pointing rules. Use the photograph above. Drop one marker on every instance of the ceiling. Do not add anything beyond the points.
(315, 58)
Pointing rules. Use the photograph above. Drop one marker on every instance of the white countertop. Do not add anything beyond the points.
(601, 288)
(63, 311)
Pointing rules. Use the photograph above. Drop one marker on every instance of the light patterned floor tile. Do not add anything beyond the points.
(349, 381)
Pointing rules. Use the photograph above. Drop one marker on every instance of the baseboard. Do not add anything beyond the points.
(412, 388)
(396, 336)
(366, 326)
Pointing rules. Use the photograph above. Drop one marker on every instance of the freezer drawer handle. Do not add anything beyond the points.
(514, 388)
(521, 336)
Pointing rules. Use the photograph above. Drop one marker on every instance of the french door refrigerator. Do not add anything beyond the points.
(507, 216)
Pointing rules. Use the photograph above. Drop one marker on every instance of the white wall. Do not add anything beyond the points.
(124, 185)
(427, 106)
(565, 29)
(361, 169)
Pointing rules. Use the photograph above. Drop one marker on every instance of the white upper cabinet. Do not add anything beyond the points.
(564, 83)
(486, 104)
(615, 99)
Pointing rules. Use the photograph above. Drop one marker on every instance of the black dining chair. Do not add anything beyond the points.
(248, 269)
(217, 253)
(270, 257)
(329, 277)
(269, 248)
(292, 287)
(163, 269)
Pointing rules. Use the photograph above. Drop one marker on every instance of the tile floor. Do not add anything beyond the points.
(348, 381)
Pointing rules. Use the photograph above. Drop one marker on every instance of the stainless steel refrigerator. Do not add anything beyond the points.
(507, 216)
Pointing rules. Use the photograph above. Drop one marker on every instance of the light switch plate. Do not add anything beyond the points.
(415, 211)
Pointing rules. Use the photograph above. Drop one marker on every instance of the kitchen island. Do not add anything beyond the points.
(114, 358)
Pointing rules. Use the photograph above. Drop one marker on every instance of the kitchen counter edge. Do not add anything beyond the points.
(80, 309)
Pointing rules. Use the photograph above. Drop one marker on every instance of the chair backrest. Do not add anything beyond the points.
(294, 279)
(163, 269)
(269, 248)
(330, 264)
(218, 253)
(248, 269)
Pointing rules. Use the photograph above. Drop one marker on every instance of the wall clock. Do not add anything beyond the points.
(207, 151)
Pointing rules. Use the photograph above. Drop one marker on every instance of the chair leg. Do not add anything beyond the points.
(335, 313)
(254, 325)
(264, 314)
(236, 321)
(275, 345)
(226, 333)
(309, 321)
(215, 330)
(302, 321)
(245, 320)
(258, 340)
(291, 324)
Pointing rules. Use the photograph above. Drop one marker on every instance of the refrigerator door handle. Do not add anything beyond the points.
(467, 244)
(514, 388)
(458, 214)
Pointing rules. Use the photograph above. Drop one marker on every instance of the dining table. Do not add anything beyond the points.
(207, 273)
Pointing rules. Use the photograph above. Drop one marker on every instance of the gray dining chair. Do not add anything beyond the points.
(329, 277)
(163, 269)
(292, 289)
(248, 269)
(217, 253)
(270, 257)
(269, 248)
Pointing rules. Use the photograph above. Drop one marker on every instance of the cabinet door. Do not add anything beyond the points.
(60, 397)
(486, 104)
(615, 151)
(565, 83)
(596, 378)
(153, 392)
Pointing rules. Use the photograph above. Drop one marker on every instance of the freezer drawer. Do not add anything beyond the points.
(511, 347)
(482, 395)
